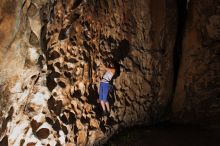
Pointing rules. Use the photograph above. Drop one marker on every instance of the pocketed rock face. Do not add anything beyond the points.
(198, 90)
(23, 93)
(80, 35)
(53, 91)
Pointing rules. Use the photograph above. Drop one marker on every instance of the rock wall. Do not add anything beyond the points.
(52, 67)
(21, 80)
(197, 92)
(8, 29)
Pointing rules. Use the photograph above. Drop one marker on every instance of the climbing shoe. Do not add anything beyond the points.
(104, 113)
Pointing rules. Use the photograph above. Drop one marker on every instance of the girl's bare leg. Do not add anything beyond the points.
(103, 105)
(107, 106)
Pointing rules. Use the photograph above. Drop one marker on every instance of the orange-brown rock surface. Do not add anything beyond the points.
(197, 92)
(51, 65)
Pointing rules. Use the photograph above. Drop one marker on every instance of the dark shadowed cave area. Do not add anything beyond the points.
(166, 87)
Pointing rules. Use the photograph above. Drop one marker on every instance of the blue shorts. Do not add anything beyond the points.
(103, 91)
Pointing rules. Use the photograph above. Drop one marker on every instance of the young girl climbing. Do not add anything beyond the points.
(105, 87)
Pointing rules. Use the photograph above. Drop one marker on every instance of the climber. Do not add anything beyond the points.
(105, 87)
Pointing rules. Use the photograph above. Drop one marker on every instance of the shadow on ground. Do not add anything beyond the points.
(167, 135)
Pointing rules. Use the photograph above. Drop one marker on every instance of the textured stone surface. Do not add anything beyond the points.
(9, 11)
(8, 29)
(42, 133)
(50, 67)
(198, 88)
(22, 90)
(77, 37)
(56, 61)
